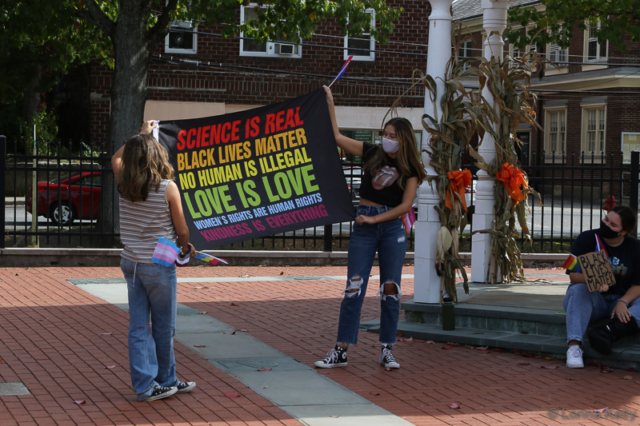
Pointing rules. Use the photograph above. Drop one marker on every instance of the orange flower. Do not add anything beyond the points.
(514, 180)
(458, 180)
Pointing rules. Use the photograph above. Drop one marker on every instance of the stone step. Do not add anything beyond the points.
(625, 354)
(497, 318)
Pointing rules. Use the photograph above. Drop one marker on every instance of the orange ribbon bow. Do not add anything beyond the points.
(458, 180)
(513, 180)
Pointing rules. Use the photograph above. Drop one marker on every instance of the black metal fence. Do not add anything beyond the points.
(574, 189)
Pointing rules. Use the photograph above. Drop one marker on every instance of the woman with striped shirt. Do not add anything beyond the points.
(150, 208)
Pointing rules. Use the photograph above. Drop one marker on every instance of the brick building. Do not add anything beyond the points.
(586, 105)
(247, 74)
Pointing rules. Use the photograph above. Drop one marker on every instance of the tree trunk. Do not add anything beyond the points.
(32, 97)
(128, 97)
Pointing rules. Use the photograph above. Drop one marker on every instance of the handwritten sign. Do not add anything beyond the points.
(258, 172)
(597, 270)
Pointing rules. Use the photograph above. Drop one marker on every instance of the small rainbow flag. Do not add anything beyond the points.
(341, 73)
(409, 219)
(166, 252)
(572, 264)
(208, 258)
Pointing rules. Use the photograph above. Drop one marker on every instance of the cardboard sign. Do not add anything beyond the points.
(597, 270)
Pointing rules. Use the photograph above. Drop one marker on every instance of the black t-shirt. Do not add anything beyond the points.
(382, 188)
(623, 258)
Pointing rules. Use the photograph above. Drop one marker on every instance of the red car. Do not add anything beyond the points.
(85, 186)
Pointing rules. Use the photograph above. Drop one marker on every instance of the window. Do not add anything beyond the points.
(361, 47)
(95, 180)
(465, 52)
(594, 128)
(594, 50)
(278, 48)
(630, 142)
(557, 55)
(555, 132)
(182, 38)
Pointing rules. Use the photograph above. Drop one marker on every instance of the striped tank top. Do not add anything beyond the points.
(142, 223)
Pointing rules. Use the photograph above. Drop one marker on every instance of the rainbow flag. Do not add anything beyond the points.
(166, 252)
(208, 258)
(409, 219)
(341, 73)
(572, 264)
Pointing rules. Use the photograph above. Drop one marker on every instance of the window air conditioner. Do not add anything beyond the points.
(284, 49)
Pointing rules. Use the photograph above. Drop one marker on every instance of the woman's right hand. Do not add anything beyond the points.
(148, 126)
(603, 288)
(329, 94)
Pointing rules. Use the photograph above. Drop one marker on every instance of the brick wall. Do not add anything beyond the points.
(168, 82)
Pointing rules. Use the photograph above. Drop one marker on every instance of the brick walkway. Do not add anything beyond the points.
(50, 340)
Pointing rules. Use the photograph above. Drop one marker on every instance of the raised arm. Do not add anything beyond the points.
(116, 160)
(352, 146)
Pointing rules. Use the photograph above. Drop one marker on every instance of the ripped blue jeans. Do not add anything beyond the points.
(389, 239)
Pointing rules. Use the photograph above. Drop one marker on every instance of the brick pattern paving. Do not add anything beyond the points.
(49, 339)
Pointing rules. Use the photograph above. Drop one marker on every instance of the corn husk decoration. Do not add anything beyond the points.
(508, 81)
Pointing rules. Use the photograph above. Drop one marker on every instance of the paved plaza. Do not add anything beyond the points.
(63, 343)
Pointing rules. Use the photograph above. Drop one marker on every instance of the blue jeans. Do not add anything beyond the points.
(583, 307)
(389, 239)
(152, 290)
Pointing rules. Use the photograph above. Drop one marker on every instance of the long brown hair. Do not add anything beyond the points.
(144, 164)
(408, 156)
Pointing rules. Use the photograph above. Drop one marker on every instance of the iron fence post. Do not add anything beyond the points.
(328, 238)
(3, 167)
(635, 175)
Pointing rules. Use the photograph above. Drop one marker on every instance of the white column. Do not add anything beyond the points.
(427, 282)
(494, 22)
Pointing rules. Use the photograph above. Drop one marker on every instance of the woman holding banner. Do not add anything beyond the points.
(618, 302)
(150, 208)
(392, 173)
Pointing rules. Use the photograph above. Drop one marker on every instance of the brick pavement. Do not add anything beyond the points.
(49, 340)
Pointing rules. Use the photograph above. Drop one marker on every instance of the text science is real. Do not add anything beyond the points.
(258, 172)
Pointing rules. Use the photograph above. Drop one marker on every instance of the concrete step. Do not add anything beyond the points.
(625, 354)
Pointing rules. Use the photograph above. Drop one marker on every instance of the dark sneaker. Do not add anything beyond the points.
(160, 392)
(184, 387)
(387, 358)
(336, 357)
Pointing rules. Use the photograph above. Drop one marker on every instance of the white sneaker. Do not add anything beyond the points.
(574, 357)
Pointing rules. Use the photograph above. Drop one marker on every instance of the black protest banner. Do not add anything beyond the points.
(258, 172)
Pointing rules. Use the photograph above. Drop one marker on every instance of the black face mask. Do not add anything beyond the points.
(606, 232)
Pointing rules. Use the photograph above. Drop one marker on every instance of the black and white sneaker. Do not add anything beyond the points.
(387, 358)
(185, 387)
(160, 392)
(336, 357)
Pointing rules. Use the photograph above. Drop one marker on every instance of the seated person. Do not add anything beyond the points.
(618, 302)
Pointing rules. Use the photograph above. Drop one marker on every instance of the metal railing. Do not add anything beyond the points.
(574, 189)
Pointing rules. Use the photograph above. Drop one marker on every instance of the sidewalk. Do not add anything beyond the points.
(50, 340)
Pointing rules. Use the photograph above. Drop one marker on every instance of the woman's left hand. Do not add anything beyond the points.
(148, 126)
(622, 312)
(365, 219)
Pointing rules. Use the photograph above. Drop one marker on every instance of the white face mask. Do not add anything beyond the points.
(390, 146)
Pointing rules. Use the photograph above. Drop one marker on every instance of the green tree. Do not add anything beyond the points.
(561, 17)
(39, 40)
(130, 31)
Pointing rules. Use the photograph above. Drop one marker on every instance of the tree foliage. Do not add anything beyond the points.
(561, 17)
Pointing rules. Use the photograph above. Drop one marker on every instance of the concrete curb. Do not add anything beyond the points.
(23, 257)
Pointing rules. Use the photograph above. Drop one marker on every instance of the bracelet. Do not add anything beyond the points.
(624, 301)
